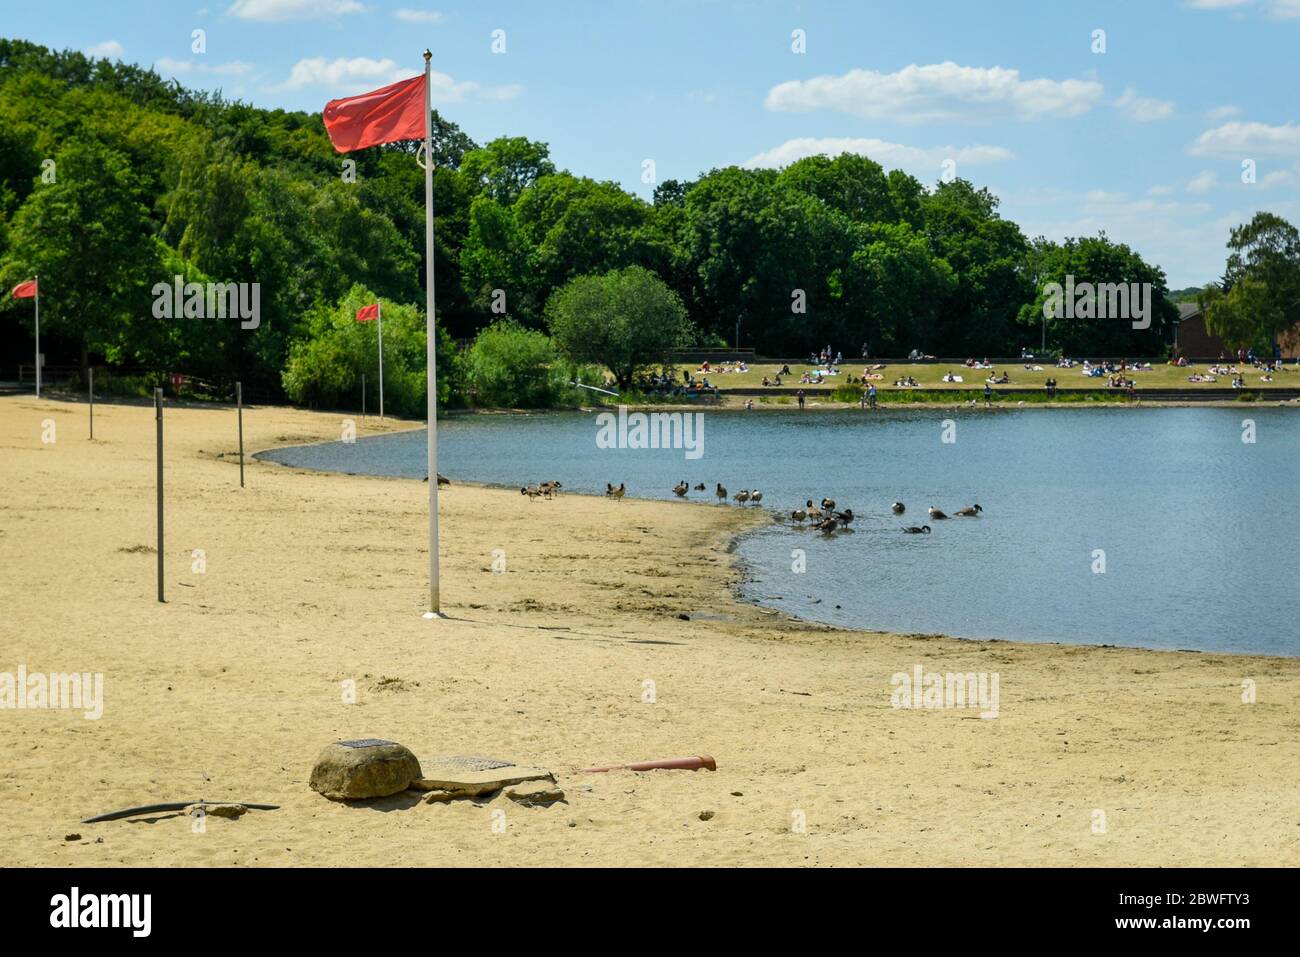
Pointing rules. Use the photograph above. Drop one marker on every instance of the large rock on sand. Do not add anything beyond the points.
(369, 768)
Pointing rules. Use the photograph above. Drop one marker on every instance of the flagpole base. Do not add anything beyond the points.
(436, 615)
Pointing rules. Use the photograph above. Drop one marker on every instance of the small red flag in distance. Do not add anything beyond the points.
(25, 290)
(368, 313)
(388, 115)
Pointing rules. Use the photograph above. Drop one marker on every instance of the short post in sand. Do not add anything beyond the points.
(157, 414)
(239, 406)
(91, 394)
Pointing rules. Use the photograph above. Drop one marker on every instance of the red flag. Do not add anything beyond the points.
(383, 116)
(368, 313)
(25, 290)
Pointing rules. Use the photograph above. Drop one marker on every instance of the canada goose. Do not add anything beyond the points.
(936, 514)
(609, 490)
(799, 515)
(813, 511)
(827, 525)
(442, 479)
(828, 504)
(913, 530)
(741, 497)
(681, 488)
(899, 508)
(755, 497)
(971, 512)
(618, 492)
(845, 517)
(550, 488)
(721, 493)
(532, 491)
(700, 487)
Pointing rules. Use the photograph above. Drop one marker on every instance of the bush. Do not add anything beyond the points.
(326, 365)
(509, 366)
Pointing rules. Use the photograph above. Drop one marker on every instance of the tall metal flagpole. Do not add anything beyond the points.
(38, 336)
(381, 359)
(435, 603)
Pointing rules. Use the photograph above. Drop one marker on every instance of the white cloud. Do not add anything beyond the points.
(1277, 9)
(927, 162)
(937, 92)
(110, 49)
(1203, 182)
(1143, 109)
(344, 76)
(407, 15)
(1160, 191)
(276, 11)
(1224, 112)
(1237, 140)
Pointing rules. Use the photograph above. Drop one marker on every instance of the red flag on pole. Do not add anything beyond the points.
(368, 313)
(25, 290)
(383, 116)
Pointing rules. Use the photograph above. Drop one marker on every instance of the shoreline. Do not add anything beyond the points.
(230, 689)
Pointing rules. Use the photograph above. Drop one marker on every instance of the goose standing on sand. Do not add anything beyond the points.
(913, 530)
(898, 508)
(721, 493)
(618, 492)
(755, 497)
(936, 514)
(741, 497)
(681, 488)
(532, 491)
(971, 512)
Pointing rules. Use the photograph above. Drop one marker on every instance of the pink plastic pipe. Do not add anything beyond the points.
(666, 764)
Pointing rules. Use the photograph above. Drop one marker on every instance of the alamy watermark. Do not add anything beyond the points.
(651, 430)
(936, 690)
(213, 300)
(74, 691)
(1108, 300)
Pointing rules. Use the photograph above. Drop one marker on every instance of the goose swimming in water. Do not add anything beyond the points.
(700, 487)
(913, 530)
(899, 508)
(845, 517)
(936, 514)
(827, 525)
(971, 512)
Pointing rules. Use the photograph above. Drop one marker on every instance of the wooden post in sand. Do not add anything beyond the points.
(239, 405)
(157, 414)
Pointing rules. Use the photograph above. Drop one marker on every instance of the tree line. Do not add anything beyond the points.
(113, 180)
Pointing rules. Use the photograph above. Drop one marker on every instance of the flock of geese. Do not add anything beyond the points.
(825, 518)
(541, 490)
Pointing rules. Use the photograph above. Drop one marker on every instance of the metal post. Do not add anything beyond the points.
(239, 405)
(381, 359)
(38, 336)
(157, 412)
(363, 395)
(92, 403)
(435, 603)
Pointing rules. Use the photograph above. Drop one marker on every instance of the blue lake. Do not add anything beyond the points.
(1200, 530)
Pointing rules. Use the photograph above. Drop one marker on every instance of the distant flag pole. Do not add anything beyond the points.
(367, 314)
(31, 289)
(398, 112)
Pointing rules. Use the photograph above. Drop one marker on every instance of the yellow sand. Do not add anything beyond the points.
(230, 689)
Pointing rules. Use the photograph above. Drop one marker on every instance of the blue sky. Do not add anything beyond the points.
(1145, 140)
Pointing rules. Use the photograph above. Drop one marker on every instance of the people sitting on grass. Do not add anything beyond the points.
(950, 377)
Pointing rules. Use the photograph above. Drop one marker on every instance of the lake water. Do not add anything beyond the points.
(1200, 530)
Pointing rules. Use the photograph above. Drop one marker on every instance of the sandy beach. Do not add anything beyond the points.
(231, 688)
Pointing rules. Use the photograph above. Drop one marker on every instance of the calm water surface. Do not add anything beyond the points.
(1200, 531)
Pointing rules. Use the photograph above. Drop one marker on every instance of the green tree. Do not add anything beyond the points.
(89, 238)
(626, 320)
(1260, 296)
(509, 366)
